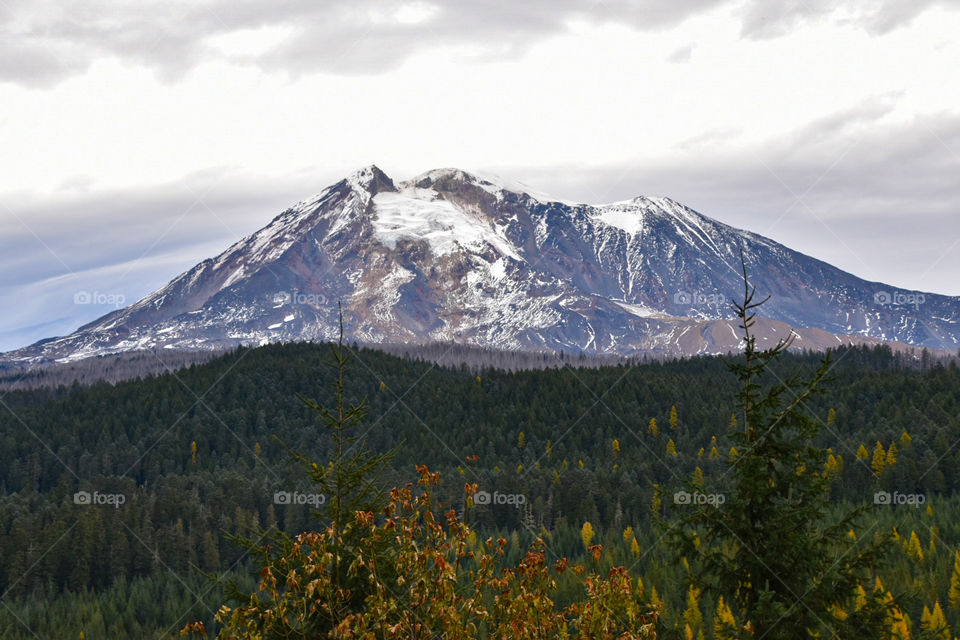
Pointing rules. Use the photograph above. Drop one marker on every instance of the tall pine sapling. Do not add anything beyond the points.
(769, 548)
(350, 482)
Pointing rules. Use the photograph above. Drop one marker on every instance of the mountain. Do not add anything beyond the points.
(450, 256)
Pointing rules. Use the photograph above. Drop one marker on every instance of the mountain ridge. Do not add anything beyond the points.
(450, 255)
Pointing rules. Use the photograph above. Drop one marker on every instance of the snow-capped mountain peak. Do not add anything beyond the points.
(452, 255)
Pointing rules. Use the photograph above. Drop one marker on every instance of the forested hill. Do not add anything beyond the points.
(199, 453)
(244, 401)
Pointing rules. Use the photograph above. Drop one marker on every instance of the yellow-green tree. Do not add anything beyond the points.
(879, 459)
(697, 479)
(833, 466)
(652, 427)
(656, 502)
(892, 454)
(954, 596)
(586, 534)
(914, 549)
(934, 622)
(692, 616)
(724, 624)
(671, 448)
(673, 418)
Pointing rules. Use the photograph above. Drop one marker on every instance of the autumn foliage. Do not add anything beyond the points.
(441, 582)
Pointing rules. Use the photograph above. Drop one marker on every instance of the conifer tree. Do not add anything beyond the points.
(954, 596)
(892, 454)
(879, 461)
(769, 549)
(350, 483)
(586, 534)
(671, 448)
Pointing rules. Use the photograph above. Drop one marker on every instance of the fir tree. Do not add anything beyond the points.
(768, 548)
(350, 482)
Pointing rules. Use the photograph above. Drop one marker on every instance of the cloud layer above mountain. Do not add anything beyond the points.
(142, 137)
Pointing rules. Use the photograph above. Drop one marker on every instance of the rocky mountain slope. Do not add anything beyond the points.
(452, 256)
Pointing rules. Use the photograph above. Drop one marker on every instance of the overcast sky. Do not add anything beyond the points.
(141, 137)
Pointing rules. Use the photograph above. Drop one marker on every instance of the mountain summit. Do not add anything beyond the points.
(454, 256)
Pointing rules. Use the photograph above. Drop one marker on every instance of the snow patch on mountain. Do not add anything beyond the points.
(622, 216)
(422, 214)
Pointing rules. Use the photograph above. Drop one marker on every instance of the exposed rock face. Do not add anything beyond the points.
(451, 256)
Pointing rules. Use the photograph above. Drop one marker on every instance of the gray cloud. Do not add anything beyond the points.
(682, 54)
(124, 243)
(764, 19)
(45, 41)
(878, 199)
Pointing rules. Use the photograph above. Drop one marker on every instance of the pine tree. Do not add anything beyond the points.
(673, 418)
(724, 624)
(652, 427)
(769, 548)
(692, 615)
(671, 448)
(879, 461)
(350, 483)
(833, 466)
(914, 549)
(697, 479)
(656, 502)
(954, 596)
(892, 454)
(934, 622)
(905, 439)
